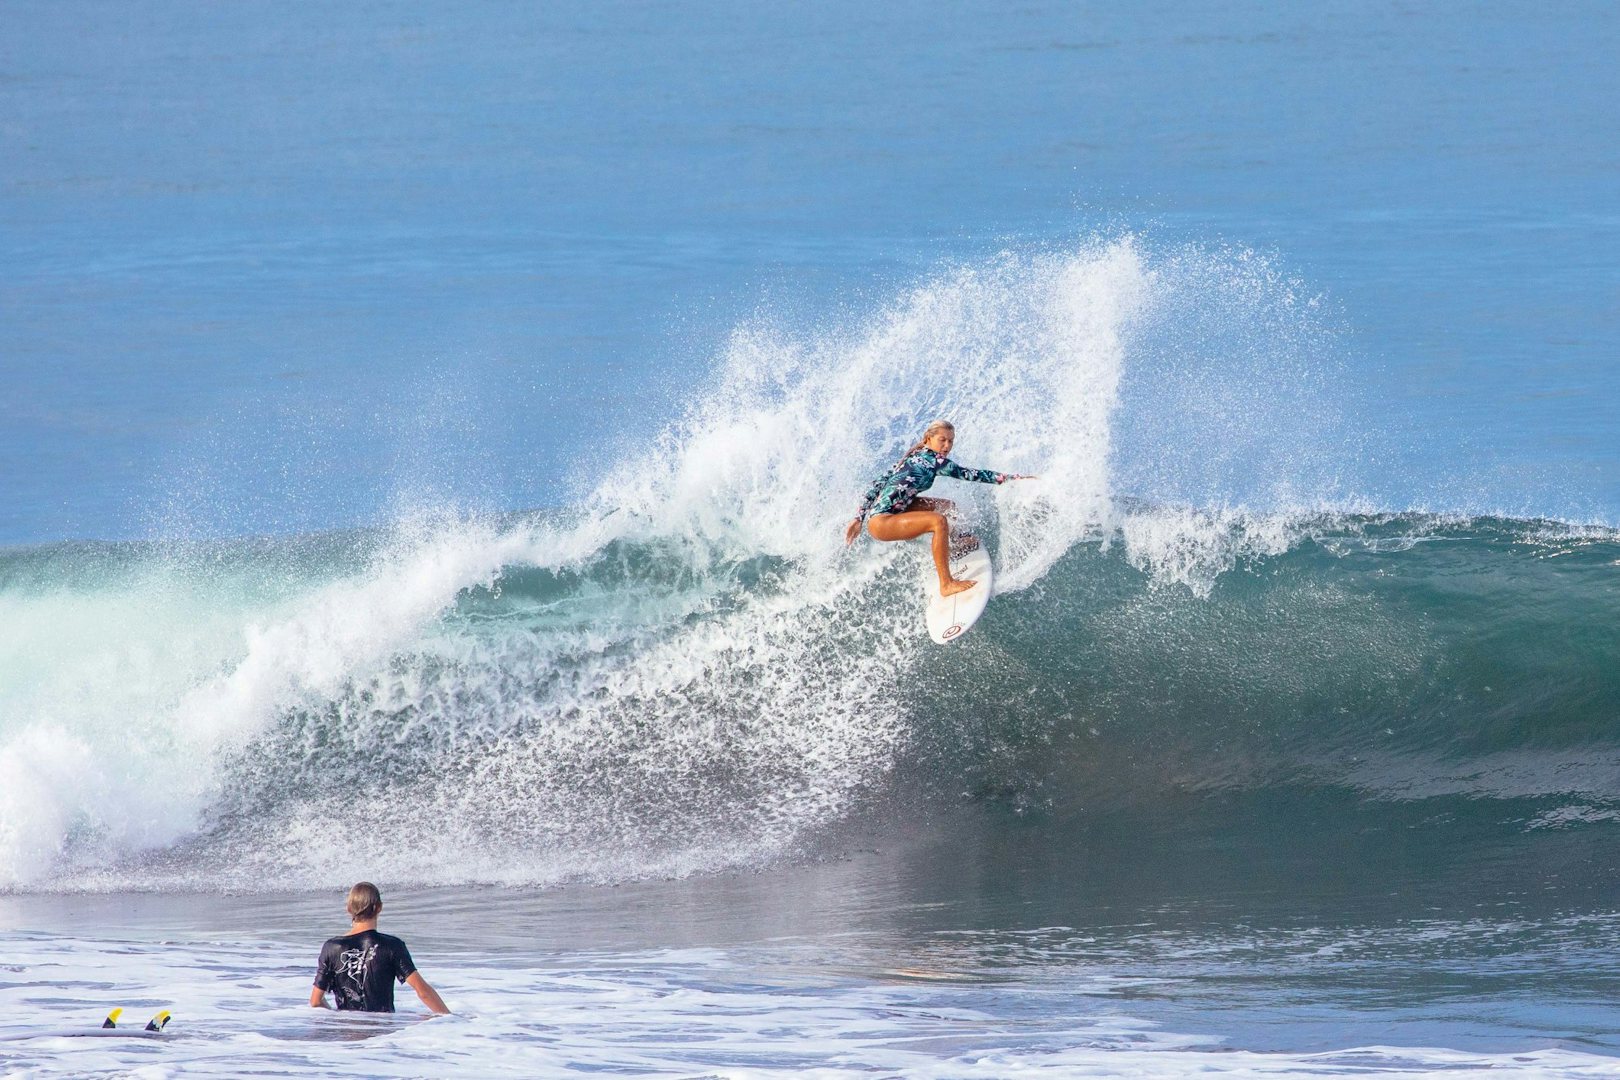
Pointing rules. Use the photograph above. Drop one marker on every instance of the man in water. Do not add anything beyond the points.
(360, 967)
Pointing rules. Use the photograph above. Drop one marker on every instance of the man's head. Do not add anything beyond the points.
(364, 902)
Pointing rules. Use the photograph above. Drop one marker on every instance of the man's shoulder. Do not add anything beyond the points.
(364, 938)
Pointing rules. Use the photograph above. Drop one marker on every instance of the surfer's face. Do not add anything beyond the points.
(940, 442)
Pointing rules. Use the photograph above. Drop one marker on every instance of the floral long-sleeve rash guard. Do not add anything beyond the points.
(897, 489)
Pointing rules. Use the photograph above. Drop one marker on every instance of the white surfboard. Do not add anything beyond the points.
(949, 617)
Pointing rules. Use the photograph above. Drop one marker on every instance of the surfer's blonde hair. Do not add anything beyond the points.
(364, 902)
(934, 428)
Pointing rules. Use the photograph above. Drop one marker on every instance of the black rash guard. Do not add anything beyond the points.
(360, 969)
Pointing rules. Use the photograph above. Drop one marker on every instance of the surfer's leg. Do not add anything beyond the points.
(912, 524)
(961, 542)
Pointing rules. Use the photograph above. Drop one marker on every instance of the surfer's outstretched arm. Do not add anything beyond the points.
(980, 476)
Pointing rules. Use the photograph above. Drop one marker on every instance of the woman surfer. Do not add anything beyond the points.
(893, 509)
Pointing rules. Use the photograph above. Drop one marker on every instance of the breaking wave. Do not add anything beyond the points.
(686, 672)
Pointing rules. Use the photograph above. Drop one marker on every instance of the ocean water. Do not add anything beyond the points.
(424, 446)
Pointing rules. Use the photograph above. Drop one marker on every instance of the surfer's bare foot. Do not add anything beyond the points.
(951, 588)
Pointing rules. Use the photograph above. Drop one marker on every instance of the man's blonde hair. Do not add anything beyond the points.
(364, 902)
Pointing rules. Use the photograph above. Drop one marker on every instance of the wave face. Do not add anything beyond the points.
(687, 673)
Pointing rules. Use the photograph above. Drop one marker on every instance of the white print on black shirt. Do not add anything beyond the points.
(356, 961)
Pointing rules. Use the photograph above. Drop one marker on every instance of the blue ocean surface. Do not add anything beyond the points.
(270, 271)
(425, 440)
